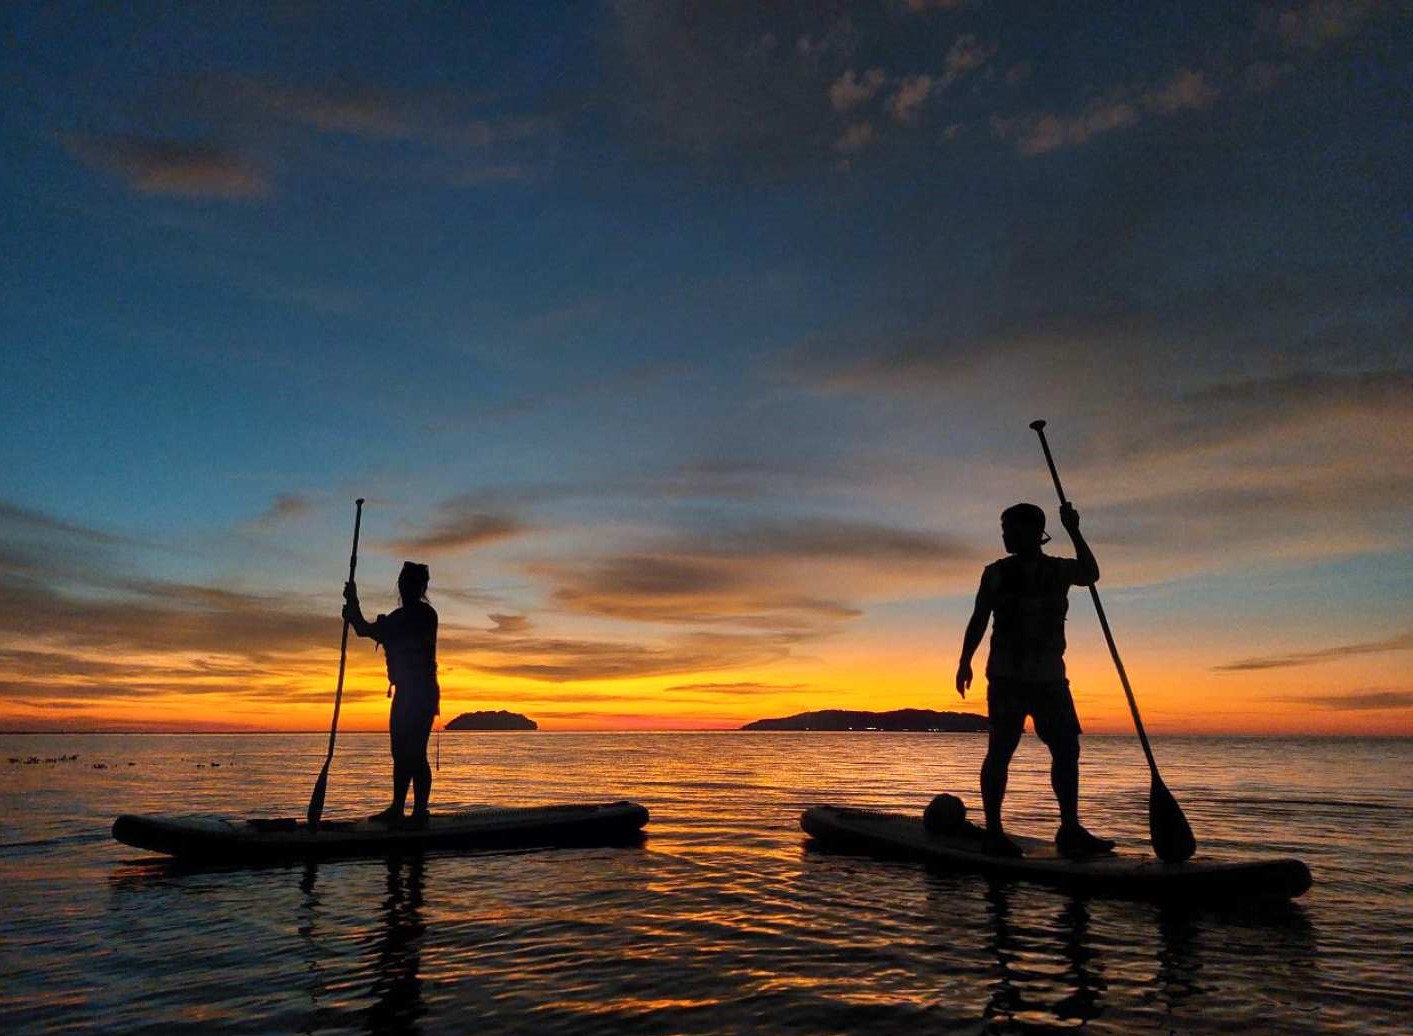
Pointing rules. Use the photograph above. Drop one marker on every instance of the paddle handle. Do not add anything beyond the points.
(316, 800)
(1039, 427)
(343, 644)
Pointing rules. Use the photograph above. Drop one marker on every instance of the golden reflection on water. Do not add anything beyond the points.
(725, 920)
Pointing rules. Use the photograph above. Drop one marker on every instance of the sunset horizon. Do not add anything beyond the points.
(699, 371)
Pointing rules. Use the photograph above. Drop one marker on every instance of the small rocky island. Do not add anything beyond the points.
(498, 720)
(895, 721)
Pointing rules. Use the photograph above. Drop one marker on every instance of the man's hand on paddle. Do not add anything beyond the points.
(1069, 518)
(350, 600)
(963, 678)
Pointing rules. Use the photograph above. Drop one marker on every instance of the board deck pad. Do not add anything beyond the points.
(1124, 872)
(221, 839)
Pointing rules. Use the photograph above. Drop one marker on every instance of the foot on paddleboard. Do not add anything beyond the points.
(998, 843)
(418, 821)
(392, 817)
(1074, 842)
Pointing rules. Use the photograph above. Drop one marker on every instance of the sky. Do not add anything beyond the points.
(694, 347)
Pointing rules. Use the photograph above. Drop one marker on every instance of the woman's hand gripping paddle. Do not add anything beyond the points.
(321, 786)
(1168, 828)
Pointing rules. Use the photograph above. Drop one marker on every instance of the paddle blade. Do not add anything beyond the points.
(316, 801)
(1168, 828)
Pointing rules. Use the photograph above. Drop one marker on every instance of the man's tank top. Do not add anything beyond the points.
(1028, 626)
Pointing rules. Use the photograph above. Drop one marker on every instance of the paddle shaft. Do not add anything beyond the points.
(1039, 427)
(316, 801)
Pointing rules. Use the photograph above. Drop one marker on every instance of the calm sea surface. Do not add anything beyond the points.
(724, 921)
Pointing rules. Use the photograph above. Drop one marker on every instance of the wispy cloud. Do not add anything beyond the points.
(919, 6)
(565, 660)
(1402, 642)
(1353, 701)
(285, 507)
(155, 165)
(848, 91)
(17, 517)
(510, 623)
(906, 104)
(1041, 133)
(460, 525)
(855, 137)
(748, 688)
(793, 577)
(966, 54)
(1317, 23)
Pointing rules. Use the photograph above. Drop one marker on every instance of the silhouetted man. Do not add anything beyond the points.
(1025, 672)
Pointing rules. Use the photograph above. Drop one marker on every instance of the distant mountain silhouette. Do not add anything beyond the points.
(498, 720)
(897, 720)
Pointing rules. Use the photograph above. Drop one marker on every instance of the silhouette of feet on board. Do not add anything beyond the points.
(997, 843)
(1074, 842)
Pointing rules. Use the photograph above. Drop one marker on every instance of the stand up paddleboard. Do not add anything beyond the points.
(217, 840)
(1126, 874)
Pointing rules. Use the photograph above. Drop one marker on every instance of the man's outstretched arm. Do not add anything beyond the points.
(1088, 566)
(976, 629)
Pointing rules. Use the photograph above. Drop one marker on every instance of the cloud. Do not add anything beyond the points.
(285, 507)
(1315, 24)
(1188, 89)
(17, 517)
(510, 623)
(452, 120)
(905, 105)
(158, 166)
(1046, 132)
(919, 6)
(461, 525)
(688, 81)
(856, 137)
(848, 92)
(783, 576)
(336, 108)
(686, 589)
(448, 136)
(1353, 700)
(821, 538)
(966, 54)
(565, 660)
(1370, 700)
(749, 688)
(1227, 410)
(1122, 108)
(1402, 642)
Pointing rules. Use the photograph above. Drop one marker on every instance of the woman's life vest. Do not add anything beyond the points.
(409, 640)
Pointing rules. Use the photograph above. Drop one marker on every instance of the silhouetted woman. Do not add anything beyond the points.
(409, 640)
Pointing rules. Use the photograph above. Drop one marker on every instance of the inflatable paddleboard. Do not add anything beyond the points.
(218, 840)
(1122, 873)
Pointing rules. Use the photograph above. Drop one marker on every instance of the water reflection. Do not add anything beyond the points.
(1047, 970)
(397, 985)
(1046, 960)
(395, 949)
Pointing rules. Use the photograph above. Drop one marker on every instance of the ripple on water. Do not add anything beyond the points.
(724, 921)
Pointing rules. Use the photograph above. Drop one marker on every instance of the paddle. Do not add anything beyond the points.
(1168, 828)
(321, 786)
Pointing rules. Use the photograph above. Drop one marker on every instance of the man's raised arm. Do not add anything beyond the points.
(1088, 566)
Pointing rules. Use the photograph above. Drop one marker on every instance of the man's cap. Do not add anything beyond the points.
(1029, 515)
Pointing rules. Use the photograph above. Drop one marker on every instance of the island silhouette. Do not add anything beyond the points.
(923, 720)
(500, 719)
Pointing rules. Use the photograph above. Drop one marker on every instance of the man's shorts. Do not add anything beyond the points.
(1008, 702)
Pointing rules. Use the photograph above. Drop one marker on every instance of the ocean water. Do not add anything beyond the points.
(723, 921)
